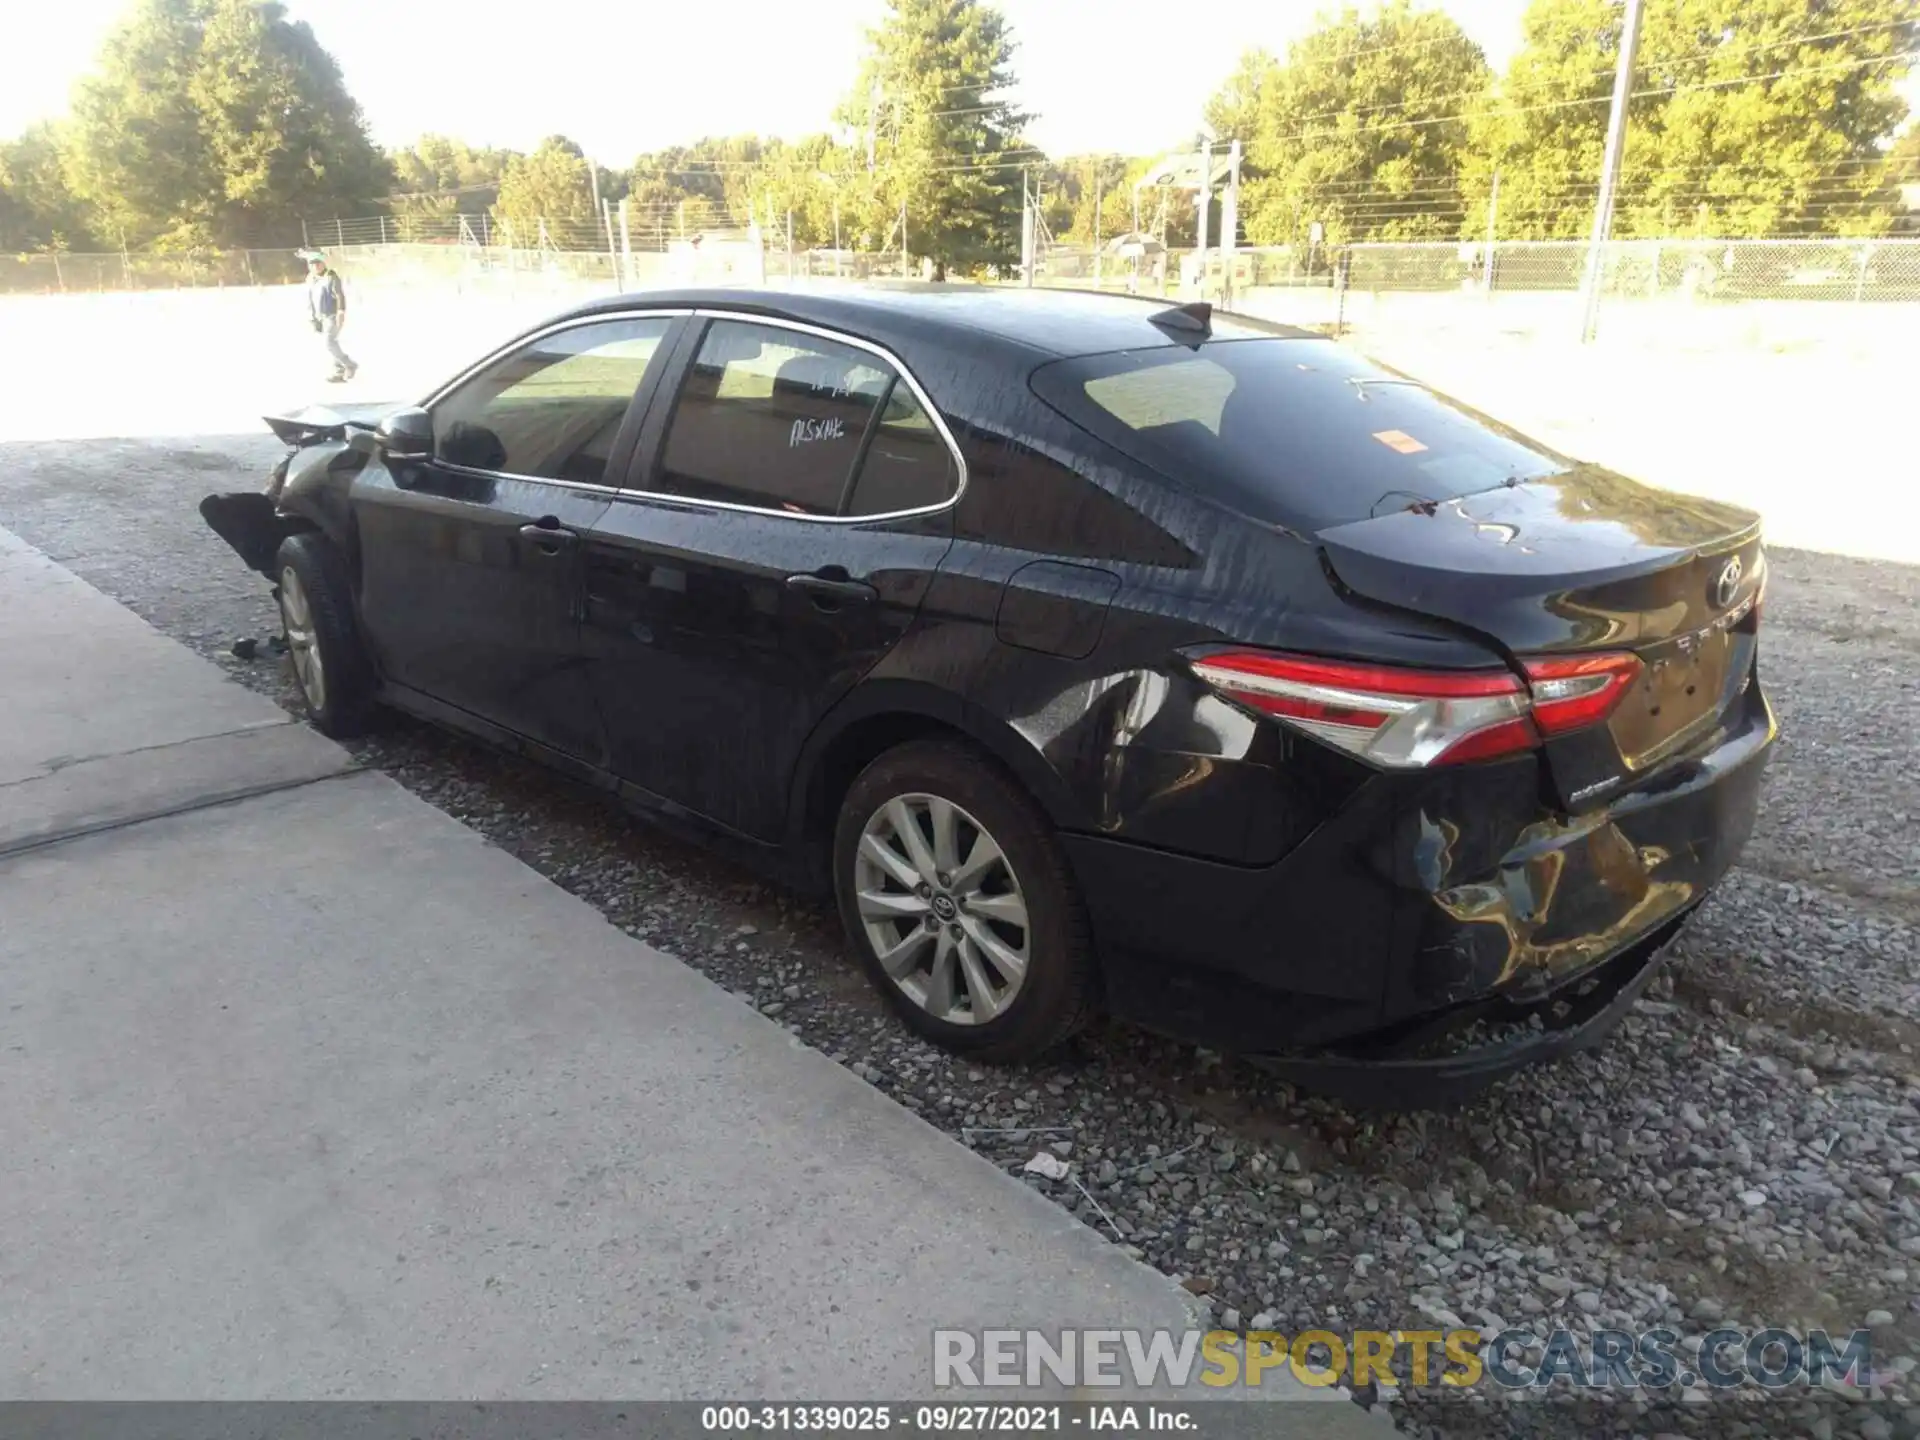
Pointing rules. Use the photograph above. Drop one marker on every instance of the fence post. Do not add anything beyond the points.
(58, 278)
(626, 250)
(1342, 263)
(1860, 281)
(613, 250)
(1493, 228)
(339, 233)
(383, 229)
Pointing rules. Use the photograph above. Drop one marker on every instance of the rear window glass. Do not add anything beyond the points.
(1299, 432)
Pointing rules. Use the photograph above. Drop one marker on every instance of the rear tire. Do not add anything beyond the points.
(330, 666)
(958, 901)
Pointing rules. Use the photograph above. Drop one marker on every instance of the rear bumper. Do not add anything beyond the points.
(1426, 899)
(1392, 1074)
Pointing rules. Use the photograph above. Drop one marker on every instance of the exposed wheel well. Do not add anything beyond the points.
(850, 752)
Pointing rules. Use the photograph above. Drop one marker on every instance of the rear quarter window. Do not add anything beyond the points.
(1300, 433)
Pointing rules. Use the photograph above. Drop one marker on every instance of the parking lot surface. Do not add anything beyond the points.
(312, 1093)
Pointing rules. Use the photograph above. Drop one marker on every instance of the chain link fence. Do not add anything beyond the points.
(1724, 270)
(1680, 290)
(56, 274)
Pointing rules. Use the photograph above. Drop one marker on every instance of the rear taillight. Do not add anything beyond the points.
(1571, 692)
(1407, 718)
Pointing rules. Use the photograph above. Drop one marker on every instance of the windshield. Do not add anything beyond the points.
(1297, 432)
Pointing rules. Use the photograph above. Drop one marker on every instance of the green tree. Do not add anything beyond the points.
(138, 158)
(1749, 118)
(552, 184)
(284, 137)
(1361, 127)
(687, 189)
(218, 122)
(943, 138)
(38, 210)
(1234, 111)
(438, 176)
(1073, 185)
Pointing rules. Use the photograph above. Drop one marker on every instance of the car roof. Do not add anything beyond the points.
(1045, 323)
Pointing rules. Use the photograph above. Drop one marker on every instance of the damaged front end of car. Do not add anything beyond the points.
(303, 492)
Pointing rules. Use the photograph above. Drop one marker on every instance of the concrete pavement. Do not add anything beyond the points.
(311, 1093)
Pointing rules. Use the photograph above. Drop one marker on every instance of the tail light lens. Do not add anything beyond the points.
(1573, 691)
(1407, 719)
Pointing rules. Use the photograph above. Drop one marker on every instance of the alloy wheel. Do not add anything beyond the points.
(943, 909)
(296, 615)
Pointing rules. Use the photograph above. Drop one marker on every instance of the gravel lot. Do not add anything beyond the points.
(1746, 1148)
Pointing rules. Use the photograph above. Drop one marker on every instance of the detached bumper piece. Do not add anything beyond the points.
(249, 523)
(1388, 1072)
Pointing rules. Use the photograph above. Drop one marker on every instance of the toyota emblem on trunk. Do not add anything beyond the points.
(1728, 583)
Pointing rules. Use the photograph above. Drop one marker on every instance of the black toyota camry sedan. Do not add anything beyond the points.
(1095, 653)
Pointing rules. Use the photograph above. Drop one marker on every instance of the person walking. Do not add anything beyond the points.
(327, 308)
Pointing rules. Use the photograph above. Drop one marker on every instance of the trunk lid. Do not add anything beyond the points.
(314, 423)
(1580, 562)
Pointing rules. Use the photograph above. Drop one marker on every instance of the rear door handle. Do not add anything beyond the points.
(549, 539)
(832, 588)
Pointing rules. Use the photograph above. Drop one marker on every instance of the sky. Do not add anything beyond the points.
(623, 77)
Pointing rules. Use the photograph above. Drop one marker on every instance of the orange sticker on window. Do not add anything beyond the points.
(1399, 440)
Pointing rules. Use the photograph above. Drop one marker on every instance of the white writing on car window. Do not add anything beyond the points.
(808, 430)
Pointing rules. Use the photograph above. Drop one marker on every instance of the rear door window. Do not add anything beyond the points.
(771, 418)
(908, 465)
(1297, 432)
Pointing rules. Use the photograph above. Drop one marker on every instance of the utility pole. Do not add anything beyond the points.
(1610, 166)
(626, 249)
(1493, 213)
(1026, 226)
(873, 119)
(1205, 203)
(905, 274)
(613, 249)
(1098, 177)
(1229, 225)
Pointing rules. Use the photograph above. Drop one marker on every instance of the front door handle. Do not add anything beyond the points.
(831, 588)
(549, 539)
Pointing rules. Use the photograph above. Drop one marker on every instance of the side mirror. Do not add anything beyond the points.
(406, 435)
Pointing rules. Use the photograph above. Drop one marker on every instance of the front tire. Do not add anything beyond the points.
(316, 610)
(958, 901)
